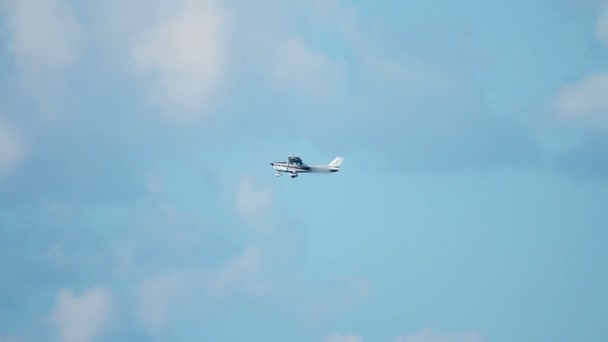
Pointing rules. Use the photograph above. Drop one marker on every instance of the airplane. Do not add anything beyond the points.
(294, 166)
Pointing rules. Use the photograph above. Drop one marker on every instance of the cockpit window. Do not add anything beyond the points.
(295, 160)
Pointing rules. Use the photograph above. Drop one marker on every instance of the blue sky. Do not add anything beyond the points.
(137, 202)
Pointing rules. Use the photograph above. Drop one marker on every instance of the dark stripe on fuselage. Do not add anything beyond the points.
(291, 168)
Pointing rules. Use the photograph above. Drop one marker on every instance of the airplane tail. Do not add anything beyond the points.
(336, 162)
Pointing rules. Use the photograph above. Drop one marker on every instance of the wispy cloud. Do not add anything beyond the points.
(601, 30)
(82, 318)
(183, 58)
(156, 299)
(304, 71)
(46, 38)
(584, 102)
(241, 274)
(183, 267)
(335, 337)
(330, 300)
(582, 106)
(430, 335)
(45, 34)
(12, 147)
(403, 89)
(253, 204)
(196, 289)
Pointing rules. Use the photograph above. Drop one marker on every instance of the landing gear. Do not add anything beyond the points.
(278, 174)
(294, 174)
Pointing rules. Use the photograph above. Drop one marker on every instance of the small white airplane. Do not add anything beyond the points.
(294, 165)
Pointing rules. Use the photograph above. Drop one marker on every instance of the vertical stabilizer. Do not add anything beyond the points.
(336, 162)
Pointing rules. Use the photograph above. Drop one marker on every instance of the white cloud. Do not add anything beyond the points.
(332, 299)
(154, 183)
(585, 102)
(601, 30)
(253, 204)
(428, 335)
(155, 298)
(343, 338)
(239, 275)
(183, 56)
(251, 201)
(193, 290)
(12, 147)
(321, 7)
(46, 36)
(303, 69)
(82, 318)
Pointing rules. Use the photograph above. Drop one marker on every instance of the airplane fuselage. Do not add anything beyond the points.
(293, 169)
(294, 166)
(290, 168)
